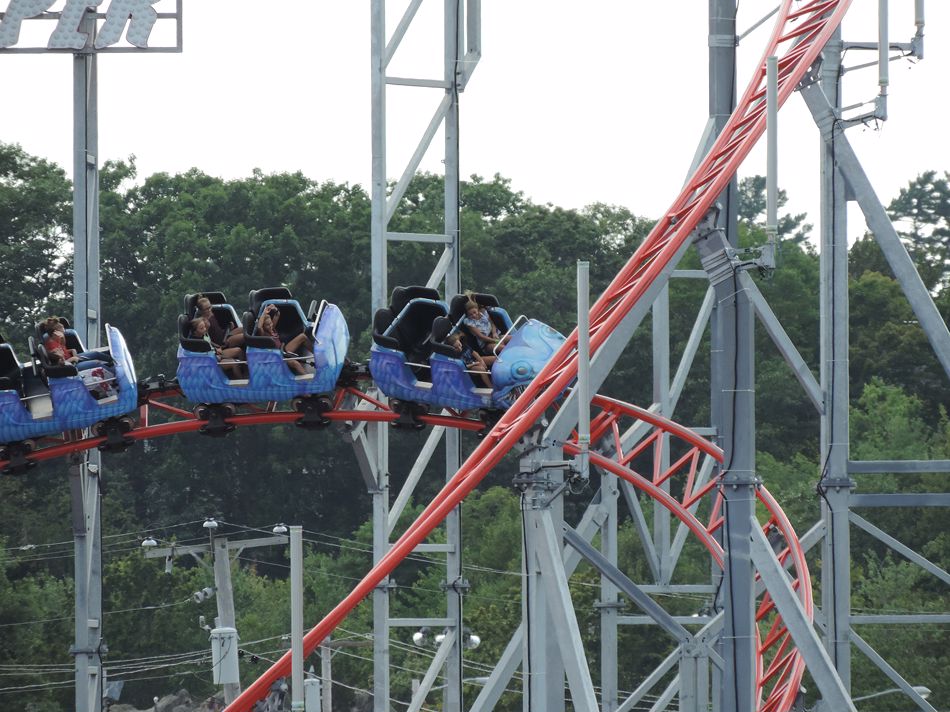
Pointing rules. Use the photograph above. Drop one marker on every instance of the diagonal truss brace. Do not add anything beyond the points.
(566, 630)
(513, 656)
(847, 163)
(806, 639)
(628, 587)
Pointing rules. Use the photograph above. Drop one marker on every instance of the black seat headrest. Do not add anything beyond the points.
(403, 295)
(457, 305)
(10, 373)
(257, 297)
(191, 300)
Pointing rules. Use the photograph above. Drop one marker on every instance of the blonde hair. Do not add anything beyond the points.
(196, 321)
(470, 303)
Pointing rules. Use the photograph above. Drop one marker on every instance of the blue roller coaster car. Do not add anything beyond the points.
(410, 360)
(39, 399)
(203, 380)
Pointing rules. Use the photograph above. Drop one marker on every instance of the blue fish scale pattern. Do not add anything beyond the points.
(203, 381)
(527, 351)
(73, 407)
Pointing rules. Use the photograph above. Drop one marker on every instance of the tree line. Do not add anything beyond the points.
(163, 236)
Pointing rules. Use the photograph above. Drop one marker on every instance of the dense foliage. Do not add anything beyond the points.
(164, 236)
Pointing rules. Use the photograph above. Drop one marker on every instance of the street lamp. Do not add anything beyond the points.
(423, 638)
(924, 693)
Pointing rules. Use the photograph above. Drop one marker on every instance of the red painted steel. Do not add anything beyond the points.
(797, 40)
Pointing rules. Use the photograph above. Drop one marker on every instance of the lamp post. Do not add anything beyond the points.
(924, 692)
(220, 550)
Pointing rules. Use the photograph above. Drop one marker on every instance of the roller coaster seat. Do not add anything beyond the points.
(46, 366)
(223, 312)
(11, 377)
(251, 338)
(257, 297)
(191, 300)
(382, 320)
(72, 336)
(187, 341)
(411, 329)
(401, 297)
(441, 328)
(292, 320)
(498, 316)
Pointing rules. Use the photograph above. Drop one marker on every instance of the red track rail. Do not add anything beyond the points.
(797, 40)
(365, 409)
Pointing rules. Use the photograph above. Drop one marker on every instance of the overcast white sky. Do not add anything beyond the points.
(574, 102)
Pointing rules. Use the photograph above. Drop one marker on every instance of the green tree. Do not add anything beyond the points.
(753, 206)
(35, 224)
(922, 210)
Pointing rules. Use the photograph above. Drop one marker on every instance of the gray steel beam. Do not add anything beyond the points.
(609, 603)
(412, 479)
(923, 618)
(897, 467)
(438, 661)
(636, 697)
(661, 397)
(623, 582)
(85, 478)
(639, 520)
(89, 646)
(592, 519)
(901, 500)
(736, 418)
(692, 346)
(894, 676)
(224, 598)
(784, 344)
(834, 486)
(544, 666)
(806, 640)
(880, 225)
(561, 609)
(900, 548)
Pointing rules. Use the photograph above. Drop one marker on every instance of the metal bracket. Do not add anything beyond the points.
(459, 586)
(216, 414)
(386, 586)
(312, 409)
(16, 454)
(409, 413)
(115, 432)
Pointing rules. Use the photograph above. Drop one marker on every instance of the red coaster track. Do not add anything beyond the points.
(797, 40)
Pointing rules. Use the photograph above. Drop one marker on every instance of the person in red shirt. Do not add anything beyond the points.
(55, 343)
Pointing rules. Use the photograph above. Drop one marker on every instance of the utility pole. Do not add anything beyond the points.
(221, 550)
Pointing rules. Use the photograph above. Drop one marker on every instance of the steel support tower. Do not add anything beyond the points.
(714, 667)
(461, 41)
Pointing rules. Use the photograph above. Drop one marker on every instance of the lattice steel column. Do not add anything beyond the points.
(85, 475)
(461, 52)
(835, 485)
